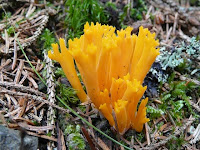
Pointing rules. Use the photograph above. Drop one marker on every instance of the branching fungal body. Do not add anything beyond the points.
(113, 67)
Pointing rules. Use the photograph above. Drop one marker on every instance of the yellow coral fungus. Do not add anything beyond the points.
(113, 67)
(67, 63)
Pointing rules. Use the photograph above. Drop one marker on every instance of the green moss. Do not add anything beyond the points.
(154, 113)
(59, 72)
(135, 12)
(6, 15)
(176, 143)
(176, 100)
(46, 39)
(75, 140)
(112, 5)
(82, 108)
(159, 125)
(67, 93)
(11, 30)
(79, 12)
(140, 136)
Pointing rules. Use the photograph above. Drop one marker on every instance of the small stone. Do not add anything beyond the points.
(11, 140)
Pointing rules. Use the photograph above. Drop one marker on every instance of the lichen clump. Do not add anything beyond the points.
(113, 67)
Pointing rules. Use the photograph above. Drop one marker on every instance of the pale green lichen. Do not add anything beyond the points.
(175, 58)
(159, 75)
(169, 59)
(193, 48)
(185, 52)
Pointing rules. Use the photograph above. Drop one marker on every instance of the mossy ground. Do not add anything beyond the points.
(173, 82)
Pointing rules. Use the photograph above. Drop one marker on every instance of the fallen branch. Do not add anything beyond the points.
(42, 136)
(35, 128)
(22, 88)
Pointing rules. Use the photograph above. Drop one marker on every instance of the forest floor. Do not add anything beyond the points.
(36, 96)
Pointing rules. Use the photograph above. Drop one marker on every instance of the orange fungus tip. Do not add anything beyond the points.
(112, 67)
